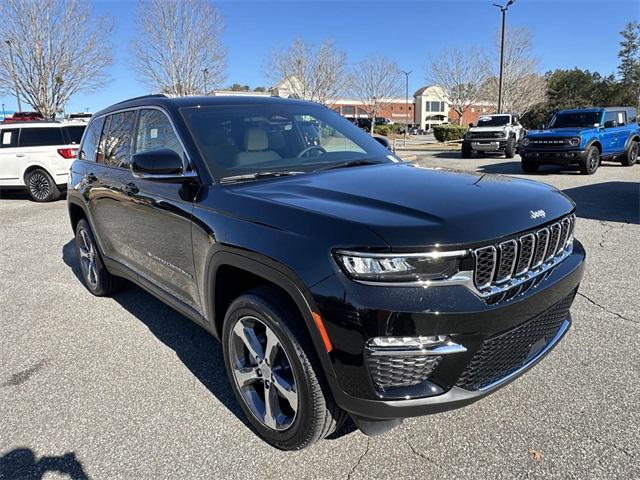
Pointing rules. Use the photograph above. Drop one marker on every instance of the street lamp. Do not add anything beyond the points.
(205, 72)
(503, 9)
(13, 73)
(406, 105)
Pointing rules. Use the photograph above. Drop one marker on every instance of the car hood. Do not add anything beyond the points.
(558, 132)
(411, 206)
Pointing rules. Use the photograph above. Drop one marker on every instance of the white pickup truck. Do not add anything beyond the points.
(494, 133)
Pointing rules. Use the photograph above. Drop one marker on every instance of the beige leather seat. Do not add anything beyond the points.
(256, 145)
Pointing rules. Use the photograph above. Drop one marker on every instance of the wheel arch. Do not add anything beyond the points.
(246, 270)
(30, 167)
(632, 138)
(594, 143)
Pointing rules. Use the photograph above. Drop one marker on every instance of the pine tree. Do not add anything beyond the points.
(629, 54)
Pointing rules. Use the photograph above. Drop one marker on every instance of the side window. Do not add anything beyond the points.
(91, 141)
(40, 137)
(155, 132)
(9, 137)
(609, 117)
(116, 141)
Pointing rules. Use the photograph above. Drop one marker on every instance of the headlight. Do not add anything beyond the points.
(414, 267)
(574, 142)
(525, 141)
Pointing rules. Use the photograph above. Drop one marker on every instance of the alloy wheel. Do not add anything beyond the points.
(633, 154)
(593, 160)
(263, 373)
(88, 259)
(39, 185)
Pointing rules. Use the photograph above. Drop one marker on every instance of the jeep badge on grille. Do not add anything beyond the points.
(537, 214)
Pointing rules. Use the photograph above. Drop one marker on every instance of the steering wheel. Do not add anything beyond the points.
(304, 152)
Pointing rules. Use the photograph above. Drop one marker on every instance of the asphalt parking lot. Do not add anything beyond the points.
(126, 388)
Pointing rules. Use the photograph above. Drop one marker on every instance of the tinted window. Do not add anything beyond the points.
(91, 141)
(155, 132)
(8, 137)
(39, 137)
(610, 117)
(575, 119)
(117, 139)
(493, 121)
(75, 133)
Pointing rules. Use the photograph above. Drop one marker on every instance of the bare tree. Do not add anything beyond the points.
(522, 86)
(374, 82)
(54, 50)
(310, 72)
(460, 75)
(178, 50)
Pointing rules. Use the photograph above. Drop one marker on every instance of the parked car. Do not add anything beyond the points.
(584, 137)
(339, 279)
(24, 117)
(37, 156)
(365, 123)
(494, 133)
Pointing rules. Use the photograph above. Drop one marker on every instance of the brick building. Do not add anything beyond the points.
(396, 109)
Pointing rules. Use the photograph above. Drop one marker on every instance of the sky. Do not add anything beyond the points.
(566, 34)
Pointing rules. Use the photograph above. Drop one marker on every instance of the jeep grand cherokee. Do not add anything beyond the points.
(340, 280)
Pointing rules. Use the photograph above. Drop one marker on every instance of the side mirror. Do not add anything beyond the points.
(383, 141)
(610, 124)
(162, 162)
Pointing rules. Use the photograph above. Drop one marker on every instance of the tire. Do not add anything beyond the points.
(95, 275)
(528, 167)
(266, 313)
(510, 149)
(631, 155)
(590, 164)
(466, 151)
(41, 186)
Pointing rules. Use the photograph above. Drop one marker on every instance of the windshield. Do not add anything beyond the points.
(240, 140)
(575, 119)
(493, 121)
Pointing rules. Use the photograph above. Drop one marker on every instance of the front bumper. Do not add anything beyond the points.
(355, 313)
(488, 145)
(558, 157)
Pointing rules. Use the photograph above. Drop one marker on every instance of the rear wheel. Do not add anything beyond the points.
(631, 155)
(41, 186)
(95, 275)
(273, 371)
(590, 164)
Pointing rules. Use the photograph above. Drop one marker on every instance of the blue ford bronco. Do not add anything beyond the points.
(584, 137)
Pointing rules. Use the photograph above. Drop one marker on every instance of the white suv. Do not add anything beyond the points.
(37, 155)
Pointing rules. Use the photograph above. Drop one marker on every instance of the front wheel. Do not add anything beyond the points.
(590, 164)
(466, 150)
(273, 371)
(510, 149)
(528, 167)
(41, 186)
(631, 155)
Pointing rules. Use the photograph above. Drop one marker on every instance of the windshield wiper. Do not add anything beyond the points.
(350, 163)
(255, 175)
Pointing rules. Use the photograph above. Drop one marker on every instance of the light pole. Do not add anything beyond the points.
(4, 113)
(13, 74)
(205, 72)
(406, 104)
(503, 9)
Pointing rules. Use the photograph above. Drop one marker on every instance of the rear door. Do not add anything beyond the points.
(41, 145)
(12, 160)
(155, 219)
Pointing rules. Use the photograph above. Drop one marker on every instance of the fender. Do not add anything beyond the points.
(632, 138)
(591, 142)
(274, 272)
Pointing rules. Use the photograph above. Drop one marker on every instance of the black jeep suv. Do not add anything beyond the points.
(339, 279)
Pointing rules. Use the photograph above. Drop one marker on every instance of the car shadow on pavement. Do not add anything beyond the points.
(198, 350)
(608, 201)
(21, 464)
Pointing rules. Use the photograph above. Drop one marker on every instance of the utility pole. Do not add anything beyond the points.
(13, 74)
(205, 72)
(503, 9)
(406, 105)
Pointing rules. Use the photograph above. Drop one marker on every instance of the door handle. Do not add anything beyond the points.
(131, 188)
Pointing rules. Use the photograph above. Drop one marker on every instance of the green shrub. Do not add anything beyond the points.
(448, 133)
(384, 130)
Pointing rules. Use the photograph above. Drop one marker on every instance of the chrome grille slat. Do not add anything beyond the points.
(507, 264)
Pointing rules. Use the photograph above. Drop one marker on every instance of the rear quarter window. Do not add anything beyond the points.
(9, 138)
(74, 134)
(40, 137)
(91, 141)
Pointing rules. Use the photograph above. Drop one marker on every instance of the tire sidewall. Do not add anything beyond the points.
(590, 170)
(510, 149)
(632, 153)
(54, 192)
(100, 288)
(249, 305)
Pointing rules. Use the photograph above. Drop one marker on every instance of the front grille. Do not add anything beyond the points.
(519, 257)
(509, 351)
(392, 371)
(485, 135)
(550, 142)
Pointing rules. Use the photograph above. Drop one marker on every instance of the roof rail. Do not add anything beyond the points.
(153, 95)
